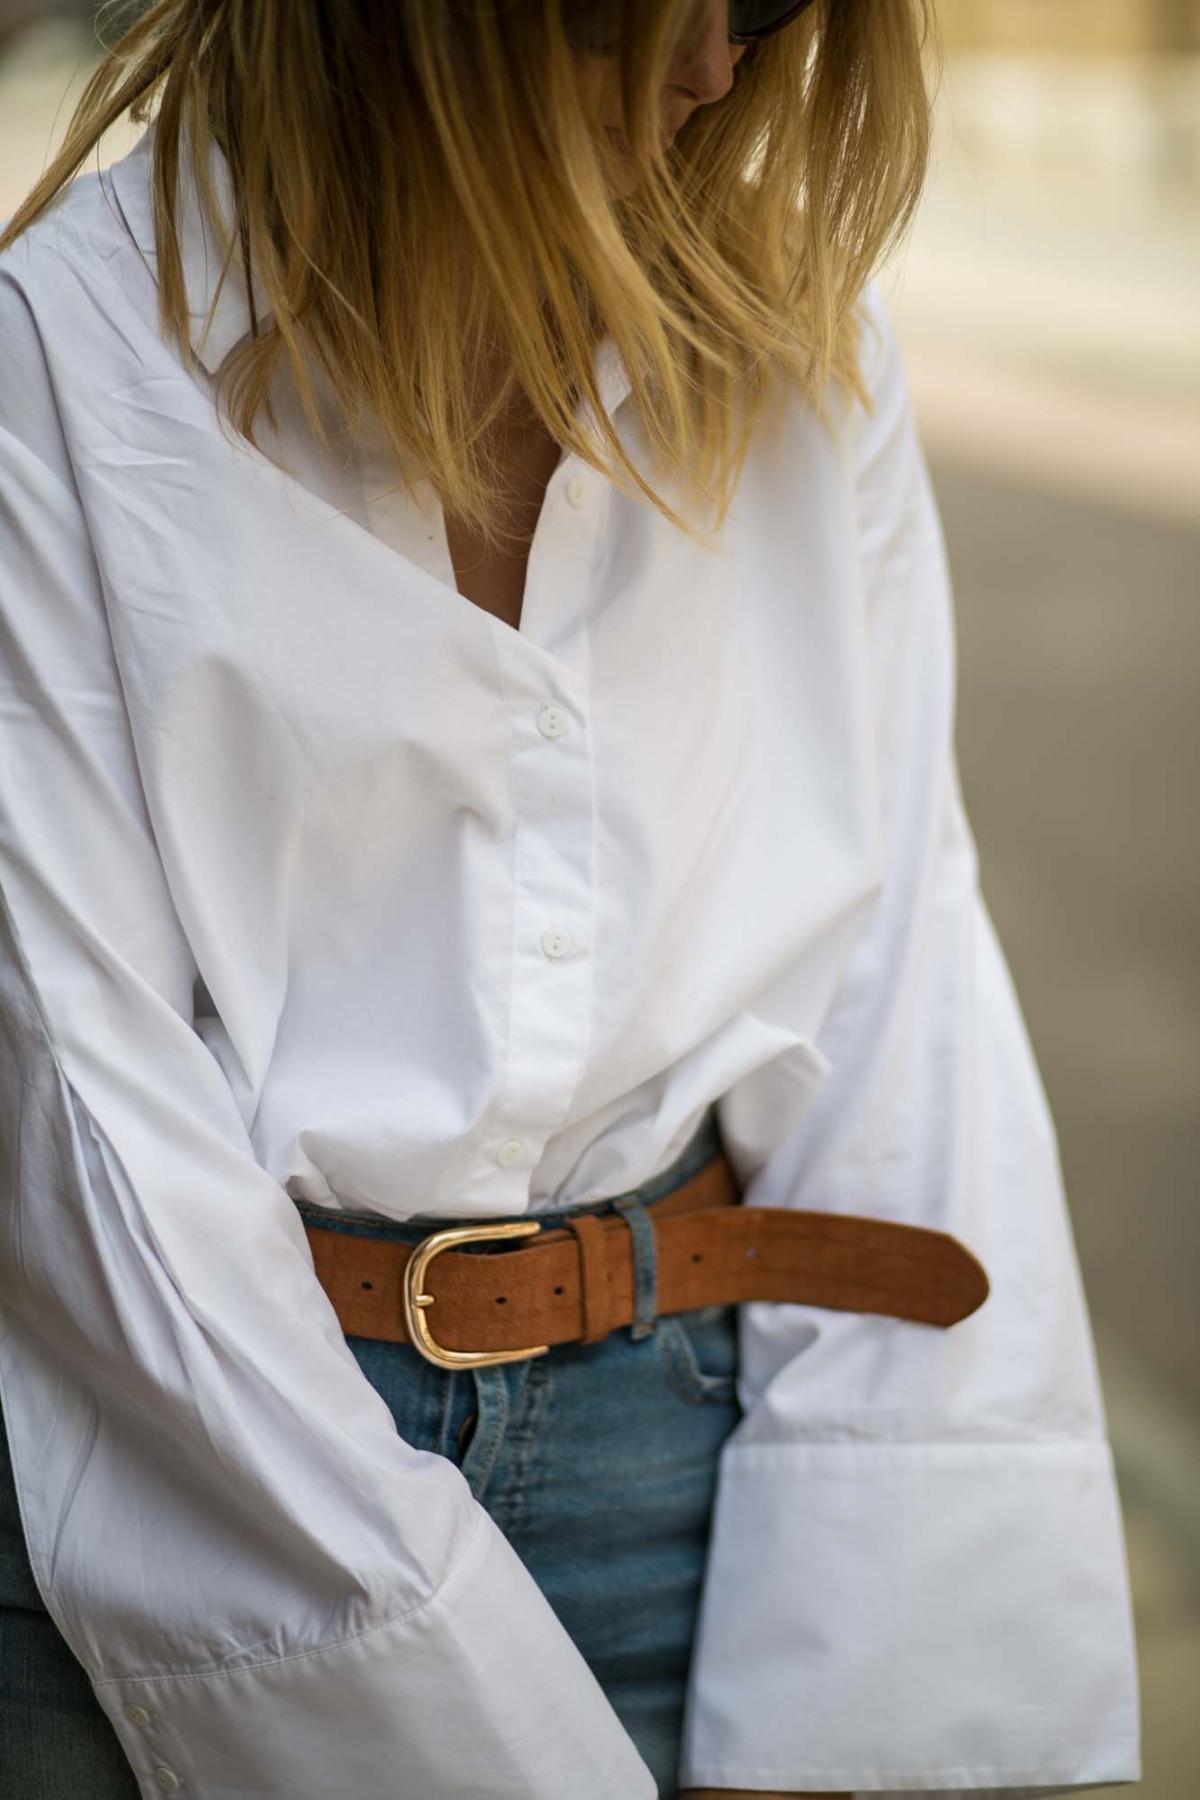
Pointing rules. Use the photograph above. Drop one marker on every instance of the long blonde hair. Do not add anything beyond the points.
(418, 186)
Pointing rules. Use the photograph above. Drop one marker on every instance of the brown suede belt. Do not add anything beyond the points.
(575, 1283)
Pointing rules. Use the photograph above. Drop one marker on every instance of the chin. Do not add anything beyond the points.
(623, 174)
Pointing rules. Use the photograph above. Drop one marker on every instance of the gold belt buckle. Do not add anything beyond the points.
(416, 1300)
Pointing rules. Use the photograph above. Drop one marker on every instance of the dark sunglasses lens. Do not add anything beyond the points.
(758, 18)
(595, 25)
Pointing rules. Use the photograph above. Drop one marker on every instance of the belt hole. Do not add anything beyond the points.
(558, 1290)
(501, 1299)
(752, 1250)
(368, 1284)
(696, 1256)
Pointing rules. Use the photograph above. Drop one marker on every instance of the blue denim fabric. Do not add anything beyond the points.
(598, 1462)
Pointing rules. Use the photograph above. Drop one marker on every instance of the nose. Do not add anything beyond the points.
(706, 59)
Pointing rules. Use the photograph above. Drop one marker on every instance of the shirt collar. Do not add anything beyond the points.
(129, 178)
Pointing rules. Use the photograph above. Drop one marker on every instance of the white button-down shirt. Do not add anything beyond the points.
(321, 882)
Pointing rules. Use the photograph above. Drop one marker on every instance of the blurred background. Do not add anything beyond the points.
(1048, 300)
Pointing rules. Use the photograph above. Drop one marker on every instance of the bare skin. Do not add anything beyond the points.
(494, 577)
(701, 75)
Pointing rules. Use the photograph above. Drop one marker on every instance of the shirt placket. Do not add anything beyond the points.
(545, 673)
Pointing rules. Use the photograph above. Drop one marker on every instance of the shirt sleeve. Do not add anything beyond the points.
(270, 1591)
(917, 1577)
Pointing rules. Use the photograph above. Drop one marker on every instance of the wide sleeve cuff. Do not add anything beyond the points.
(478, 1687)
(943, 1616)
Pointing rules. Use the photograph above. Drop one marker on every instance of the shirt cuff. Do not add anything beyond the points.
(887, 1643)
(478, 1690)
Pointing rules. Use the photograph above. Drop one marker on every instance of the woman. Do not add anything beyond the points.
(422, 811)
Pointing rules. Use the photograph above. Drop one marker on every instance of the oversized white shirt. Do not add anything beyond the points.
(319, 881)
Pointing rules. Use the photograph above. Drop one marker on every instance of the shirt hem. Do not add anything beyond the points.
(1113, 1769)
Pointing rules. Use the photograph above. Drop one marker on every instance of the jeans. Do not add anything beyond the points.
(597, 1461)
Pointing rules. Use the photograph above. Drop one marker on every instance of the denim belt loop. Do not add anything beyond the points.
(645, 1264)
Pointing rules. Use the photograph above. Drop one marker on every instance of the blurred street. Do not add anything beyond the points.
(1049, 304)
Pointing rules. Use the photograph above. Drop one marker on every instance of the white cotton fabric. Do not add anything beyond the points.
(284, 821)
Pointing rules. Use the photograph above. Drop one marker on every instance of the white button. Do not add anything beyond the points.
(552, 721)
(576, 490)
(167, 1780)
(556, 942)
(137, 1715)
(511, 1151)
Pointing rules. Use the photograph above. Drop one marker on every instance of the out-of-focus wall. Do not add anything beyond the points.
(1113, 26)
(1096, 89)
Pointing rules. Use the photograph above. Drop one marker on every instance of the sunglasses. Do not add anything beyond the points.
(749, 20)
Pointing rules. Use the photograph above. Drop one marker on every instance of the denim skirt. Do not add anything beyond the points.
(597, 1461)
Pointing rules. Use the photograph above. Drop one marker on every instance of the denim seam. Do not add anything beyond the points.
(523, 1431)
(683, 1369)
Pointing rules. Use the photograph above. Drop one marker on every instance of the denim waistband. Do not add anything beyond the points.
(704, 1144)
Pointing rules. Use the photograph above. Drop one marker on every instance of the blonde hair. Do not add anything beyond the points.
(418, 187)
